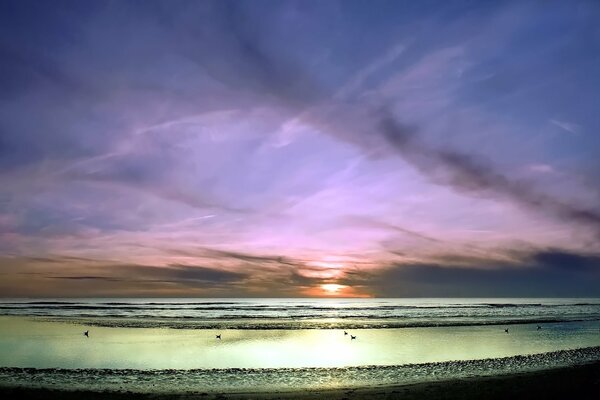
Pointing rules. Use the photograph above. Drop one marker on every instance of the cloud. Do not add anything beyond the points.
(122, 126)
(460, 170)
(523, 272)
(565, 260)
(536, 273)
(93, 278)
(200, 274)
(65, 276)
(173, 273)
(542, 168)
(366, 222)
(471, 174)
(567, 126)
(239, 256)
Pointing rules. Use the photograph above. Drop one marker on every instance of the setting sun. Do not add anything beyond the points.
(332, 288)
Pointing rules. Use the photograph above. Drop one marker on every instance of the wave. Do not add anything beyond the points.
(303, 314)
(237, 306)
(297, 324)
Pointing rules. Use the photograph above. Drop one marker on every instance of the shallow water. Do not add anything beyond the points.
(33, 343)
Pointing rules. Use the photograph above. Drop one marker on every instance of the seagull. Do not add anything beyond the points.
(218, 336)
(352, 337)
(345, 333)
(86, 333)
(506, 330)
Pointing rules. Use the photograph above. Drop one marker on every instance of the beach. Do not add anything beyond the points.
(577, 382)
(293, 348)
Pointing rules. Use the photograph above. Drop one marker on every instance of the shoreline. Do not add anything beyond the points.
(289, 324)
(288, 382)
(577, 381)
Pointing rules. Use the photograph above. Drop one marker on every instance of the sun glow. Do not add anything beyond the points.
(332, 288)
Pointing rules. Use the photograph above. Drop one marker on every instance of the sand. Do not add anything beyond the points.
(576, 382)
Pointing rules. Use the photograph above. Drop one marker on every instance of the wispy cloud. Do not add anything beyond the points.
(233, 148)
(567, 126)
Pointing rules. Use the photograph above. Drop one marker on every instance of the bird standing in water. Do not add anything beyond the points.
(218, 336)
(86, 334)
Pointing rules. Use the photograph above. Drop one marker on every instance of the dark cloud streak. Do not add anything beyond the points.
(539, 273)
(464, 172)
(468, 173)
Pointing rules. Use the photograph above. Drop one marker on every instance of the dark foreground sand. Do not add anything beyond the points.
(577, 382)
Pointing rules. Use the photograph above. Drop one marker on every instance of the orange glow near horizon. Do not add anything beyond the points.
(336, 290)
(333, 288)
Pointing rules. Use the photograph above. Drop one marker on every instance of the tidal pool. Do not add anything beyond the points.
(33, 343)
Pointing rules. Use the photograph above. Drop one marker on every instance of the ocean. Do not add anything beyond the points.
(305, 313)
(279, 344)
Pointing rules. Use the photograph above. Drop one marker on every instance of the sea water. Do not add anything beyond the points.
(286, 343)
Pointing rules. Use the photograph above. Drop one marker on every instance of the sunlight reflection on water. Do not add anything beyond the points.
(25, 342)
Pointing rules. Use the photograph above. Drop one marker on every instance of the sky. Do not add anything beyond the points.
(291, 149)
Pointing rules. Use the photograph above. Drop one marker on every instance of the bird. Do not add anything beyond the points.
(86, 333)
(506, 330)
(218, 336)
(352, 337)
(539, 327)
(345, 333)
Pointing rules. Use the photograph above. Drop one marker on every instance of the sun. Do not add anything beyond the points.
(332, 288)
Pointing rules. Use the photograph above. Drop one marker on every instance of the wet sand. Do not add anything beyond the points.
(236, 380)
(575, 382)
